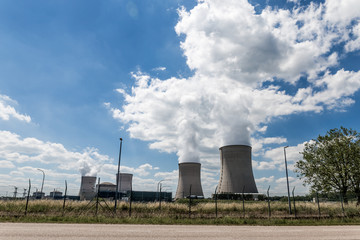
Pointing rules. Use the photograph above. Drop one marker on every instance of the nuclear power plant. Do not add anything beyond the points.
(189, 182)
(236, 174)
(87, 188)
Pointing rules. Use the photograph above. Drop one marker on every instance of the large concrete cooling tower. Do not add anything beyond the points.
(125, 183)
(189, 175)
(87, 188)
(236, 170)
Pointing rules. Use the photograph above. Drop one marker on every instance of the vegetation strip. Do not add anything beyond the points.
(202, 212)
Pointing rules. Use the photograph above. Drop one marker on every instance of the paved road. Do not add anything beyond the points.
(25, 231)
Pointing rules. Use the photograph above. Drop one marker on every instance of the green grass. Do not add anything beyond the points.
(202, 212)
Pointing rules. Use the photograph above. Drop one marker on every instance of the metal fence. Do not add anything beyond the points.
(264, 206)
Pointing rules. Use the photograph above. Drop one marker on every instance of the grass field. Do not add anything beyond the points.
(200, 212)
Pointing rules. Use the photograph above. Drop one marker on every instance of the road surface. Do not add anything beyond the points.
(32, 231)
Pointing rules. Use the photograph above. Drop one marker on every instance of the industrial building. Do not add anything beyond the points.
(146, 196)
(106, 187)
(108, 190)
(236, 174)
(38, 195)
(189, 182)
(56, 194)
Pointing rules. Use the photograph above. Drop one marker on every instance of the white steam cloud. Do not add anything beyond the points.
(236, 55)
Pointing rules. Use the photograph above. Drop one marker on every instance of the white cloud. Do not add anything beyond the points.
(342, 12)
(7, 111)
(143, 170)
(59, 164)
(6, 164)
(262, 129)
(15, 149)
(265, 179)
(168, 175)
(283, 180)
(16, 173)
(338, 88)
(280, 187)
(354, 43)
(159, 69)
(262, 165)
(228, 40)
(276, 158)
(258, 143)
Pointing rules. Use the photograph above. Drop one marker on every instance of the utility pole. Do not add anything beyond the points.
(42, 184)
(159, 187)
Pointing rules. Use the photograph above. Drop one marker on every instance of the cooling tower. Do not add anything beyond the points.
(125, 183)
(87, 188)
(236, 170)
(189, 175)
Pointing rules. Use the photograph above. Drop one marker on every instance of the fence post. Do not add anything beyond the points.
(243, 201)
(64, 197)
(97, 198)
(294, 201)
(268, 195)
(342, 204)
(130, 201)
(216, 210)
(27, 199)
(190, 202)
(318, 203)
(160, 197)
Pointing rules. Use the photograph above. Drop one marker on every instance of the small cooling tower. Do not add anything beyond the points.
(189, 176)
(125, 183)
(236, 170)
(87, 188)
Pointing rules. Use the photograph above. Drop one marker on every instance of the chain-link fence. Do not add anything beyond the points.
(245, 206)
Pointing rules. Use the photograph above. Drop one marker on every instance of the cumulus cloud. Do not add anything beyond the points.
(6, 164)
(7, 110)
(237, 54)
(274, 158)
(14, 150)
(342, 12)
(259, 143)
(354, 43)
(173, 175)
(265, 179)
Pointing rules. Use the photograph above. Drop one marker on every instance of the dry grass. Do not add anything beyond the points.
(199, 209)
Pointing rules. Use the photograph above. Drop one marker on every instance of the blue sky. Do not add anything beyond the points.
(176, 80)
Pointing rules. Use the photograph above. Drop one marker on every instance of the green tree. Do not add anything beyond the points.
(331, 163)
